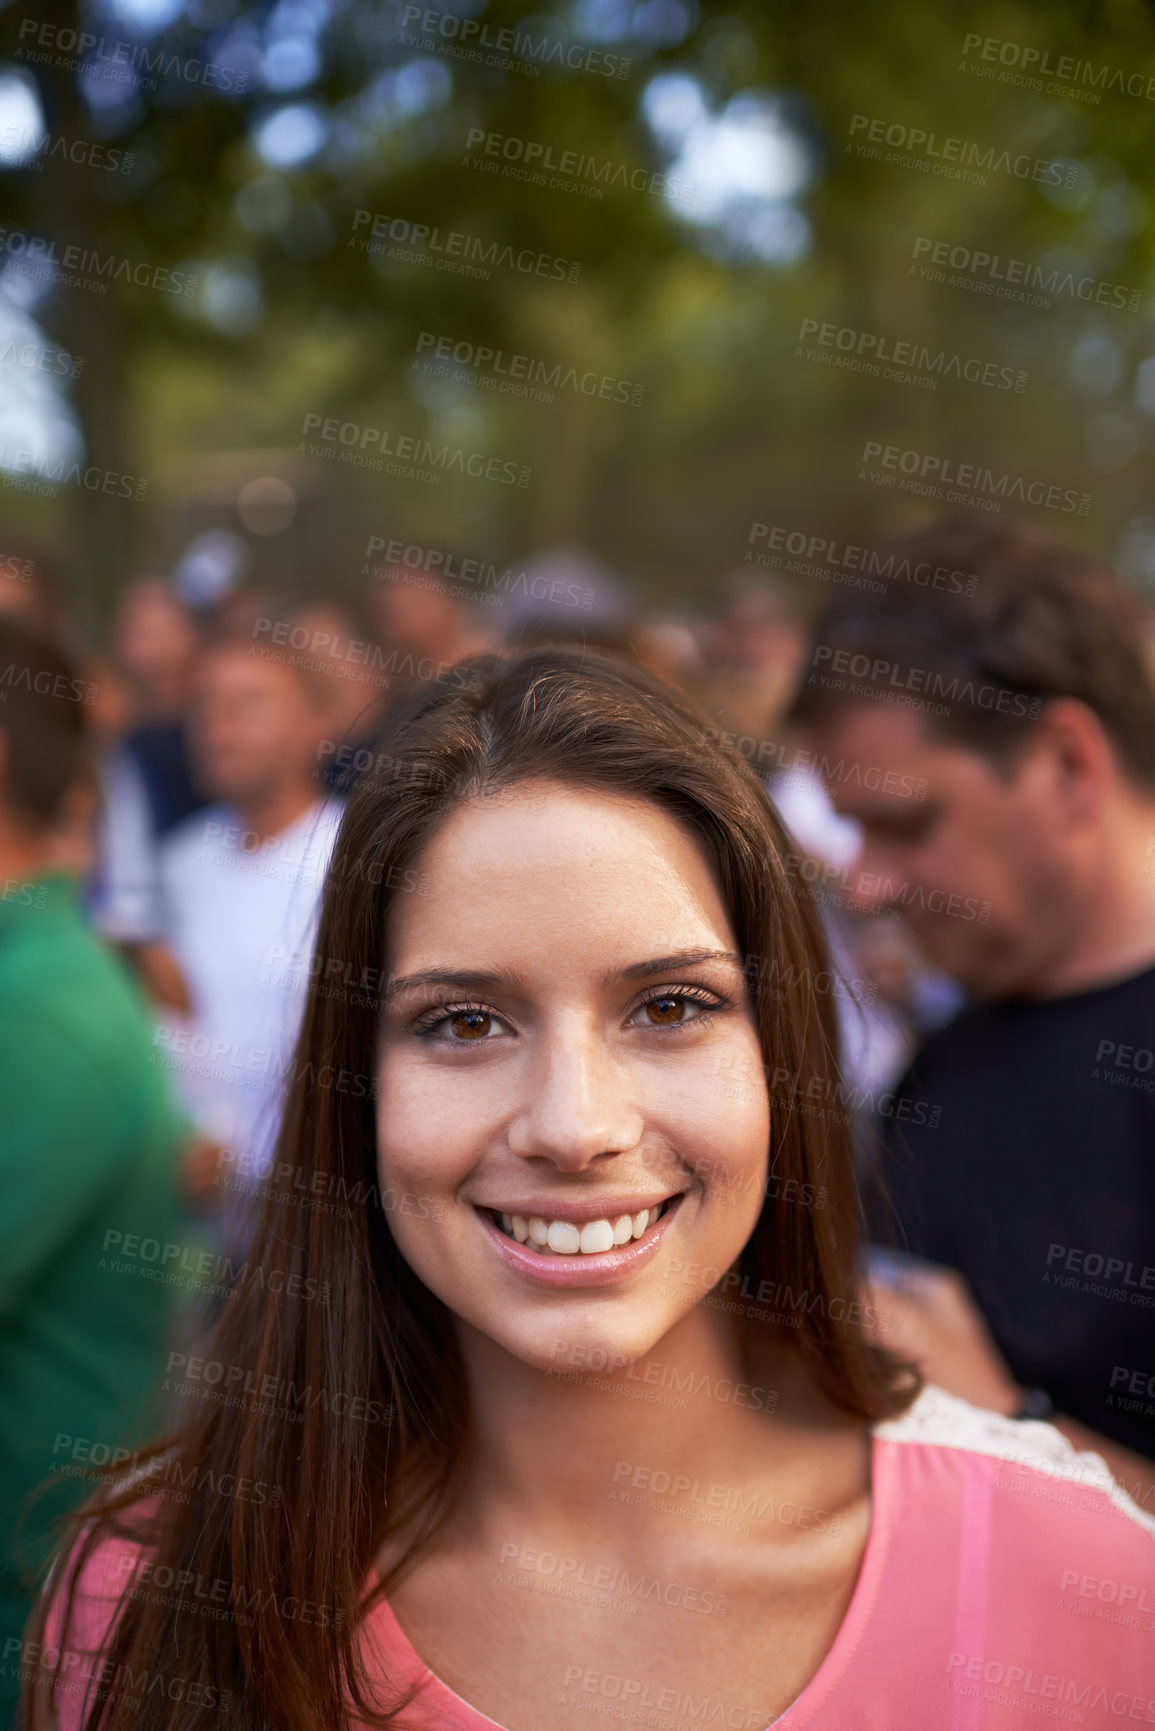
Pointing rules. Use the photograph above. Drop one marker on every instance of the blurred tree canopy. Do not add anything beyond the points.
(266, 140)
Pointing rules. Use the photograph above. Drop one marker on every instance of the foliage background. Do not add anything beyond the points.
(293, 318)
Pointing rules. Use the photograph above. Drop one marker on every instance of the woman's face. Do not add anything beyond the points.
(566, 1003)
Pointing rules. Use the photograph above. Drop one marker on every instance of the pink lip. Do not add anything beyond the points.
(600, 1270)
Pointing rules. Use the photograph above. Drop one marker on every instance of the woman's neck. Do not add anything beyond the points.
(689, 1424)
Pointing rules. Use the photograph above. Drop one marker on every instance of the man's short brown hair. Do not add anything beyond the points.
(980, 625)
(43, 722)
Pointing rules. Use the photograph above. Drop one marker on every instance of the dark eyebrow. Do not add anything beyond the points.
(478, 980)
(474, 979)
(662, 964)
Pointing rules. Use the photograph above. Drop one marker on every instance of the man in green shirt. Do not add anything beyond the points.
(89, 1150)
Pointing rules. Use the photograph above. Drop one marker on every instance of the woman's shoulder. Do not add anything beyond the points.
(82, 1596)
(97, 1571)
(942, 1423)
(1016, 1567)
(1024, 1483)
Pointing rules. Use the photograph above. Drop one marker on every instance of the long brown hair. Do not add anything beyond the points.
(348, 1392)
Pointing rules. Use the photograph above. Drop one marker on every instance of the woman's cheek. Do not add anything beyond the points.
(726, 1138)
(416, 1112)
(717, 1106)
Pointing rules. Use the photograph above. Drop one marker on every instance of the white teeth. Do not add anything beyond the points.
(564, 1237)
(597, 1235)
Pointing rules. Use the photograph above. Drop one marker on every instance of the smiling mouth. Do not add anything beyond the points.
(561, 1237)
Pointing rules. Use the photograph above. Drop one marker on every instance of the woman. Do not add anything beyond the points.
(548, 1363)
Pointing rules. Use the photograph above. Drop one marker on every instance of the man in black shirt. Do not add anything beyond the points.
(995, 708)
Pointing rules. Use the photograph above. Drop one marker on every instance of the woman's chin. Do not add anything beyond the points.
(585, 1349)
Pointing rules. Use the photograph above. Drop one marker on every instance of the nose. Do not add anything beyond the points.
(577, 1107)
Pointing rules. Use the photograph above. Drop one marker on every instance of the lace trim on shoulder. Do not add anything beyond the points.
(942, 1420)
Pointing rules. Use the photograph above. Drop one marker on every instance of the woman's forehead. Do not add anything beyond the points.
(545, 863)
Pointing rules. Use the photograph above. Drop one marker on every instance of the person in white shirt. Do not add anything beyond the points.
(239, 887)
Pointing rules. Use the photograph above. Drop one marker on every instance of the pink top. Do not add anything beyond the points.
(1005, 1575)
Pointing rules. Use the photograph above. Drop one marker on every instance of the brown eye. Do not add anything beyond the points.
(471, 1024)
(664, 1011)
